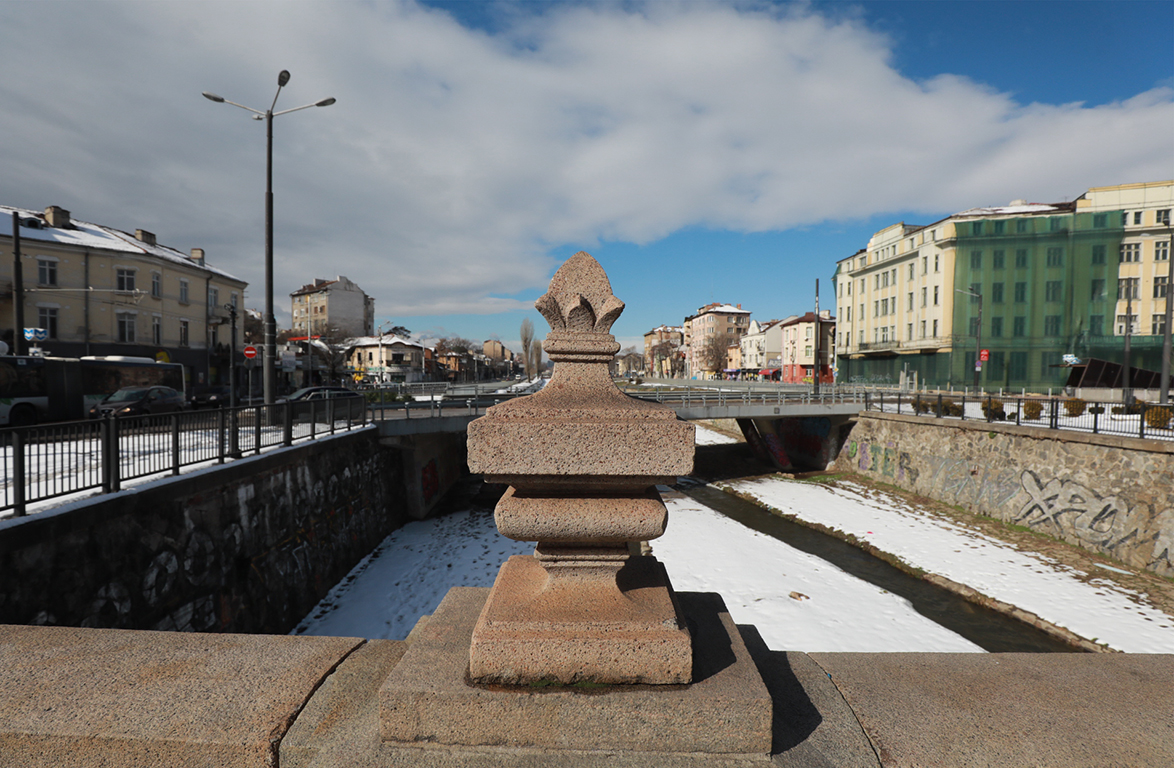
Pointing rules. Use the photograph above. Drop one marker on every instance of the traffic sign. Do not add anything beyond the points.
(250, 352)
(984, 355)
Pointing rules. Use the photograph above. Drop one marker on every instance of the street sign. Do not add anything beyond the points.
(250, 352)
(978, 365)
(35, 334)
(984, 355)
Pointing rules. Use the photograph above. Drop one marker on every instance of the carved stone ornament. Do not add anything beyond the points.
(581, 459)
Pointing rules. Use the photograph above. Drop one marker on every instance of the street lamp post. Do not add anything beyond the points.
(977, 336)
(269, 377)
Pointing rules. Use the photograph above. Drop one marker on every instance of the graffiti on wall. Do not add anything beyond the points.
(970, 482)
(1104, 523)
(881, 460)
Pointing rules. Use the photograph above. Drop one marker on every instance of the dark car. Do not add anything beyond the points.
(214, 396)
(340, 402)
(136, 401)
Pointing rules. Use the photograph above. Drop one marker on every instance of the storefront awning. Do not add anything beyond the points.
(769, 371)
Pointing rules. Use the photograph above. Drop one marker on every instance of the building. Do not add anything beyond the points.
(498, 358)
(387, 359)
(707, 336)
(99, 291)
(332, 307)
(762, 348)
(799, 350)
(1027, 282)
(663, 353)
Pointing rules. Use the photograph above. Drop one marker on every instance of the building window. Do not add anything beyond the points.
(1159, 324)
(213, 299)
(1098, 289)
(1096, 325)
(1052, 325)
(1127, 287)
(1053, 290)
(996, 369)
(1000, 226)
(996, 327)
(157, 330)
(125, 280)
(1055, 224)
(1124, 218)
(935, 298)
(1121, 319)
(1160, 287)
(1017, 370)
(1055, 257)
(1130, 252)
(876, 281)
(976, 259)
(924, 292)
(1100, 220)
(912, 270)
(909, 331)
(996, 293)
(126, 327)
(936, 262)
(935, 329)
(183, 291)
(848, 309)
(1019, 327)
(1020, 293)
(183, 333)
(924, 264)
(1021, 225)
(976, 228)
(876, 308)
(46, 272)
(156, 285)
(1162, 217)
(910, 302)
(860, 314)
(884, 306)
(923, 329)
(998, 259)
(1137, 218)
(47, 320)
(1162, 250)
(1021, 258)
(1098, 254)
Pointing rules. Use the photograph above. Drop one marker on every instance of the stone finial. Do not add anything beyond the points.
(581, 459)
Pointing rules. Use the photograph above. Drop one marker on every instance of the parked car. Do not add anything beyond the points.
(136, 401)
(214, 396)
(322, 401)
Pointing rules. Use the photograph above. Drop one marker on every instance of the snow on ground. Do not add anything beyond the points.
(1098, 609)
(406, 576)
(796, 600)
(706, 436)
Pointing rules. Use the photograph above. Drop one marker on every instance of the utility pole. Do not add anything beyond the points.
(1126, 388)
(232, 356)
(17, 289)
(818, 330)
(977, 336)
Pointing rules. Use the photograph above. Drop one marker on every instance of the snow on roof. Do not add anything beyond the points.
(83, 234)
(1011, 210)
(727, 308)
(373, 341)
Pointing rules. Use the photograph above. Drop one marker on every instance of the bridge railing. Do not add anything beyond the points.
(1144, 420)
(55, 460)
(700, 395)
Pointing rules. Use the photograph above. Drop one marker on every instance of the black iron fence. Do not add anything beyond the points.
(54, 460)
(1145, 420)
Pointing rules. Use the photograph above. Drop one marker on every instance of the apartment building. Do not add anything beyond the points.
(1028, 282)
(96, 290)
(387, 359)
(337, 306)
(801, 358)
(663, 351)
(707, 336)
(762, 347)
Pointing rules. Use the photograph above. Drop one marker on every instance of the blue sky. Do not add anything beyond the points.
(701, 151)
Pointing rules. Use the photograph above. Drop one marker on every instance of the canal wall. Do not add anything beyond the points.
(249, 546)
(1108, 494)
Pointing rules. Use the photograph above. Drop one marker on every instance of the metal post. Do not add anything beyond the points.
(220, 435)
(18, 479)
(287, 421)
(17, 290)
(257, 410)
(113, 454)
(978, 345)
(268, 375)
(1126, 388)
(818, 329)
(175, 444)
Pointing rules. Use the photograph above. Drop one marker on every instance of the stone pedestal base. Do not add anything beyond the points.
(428, 701)
(593, 623)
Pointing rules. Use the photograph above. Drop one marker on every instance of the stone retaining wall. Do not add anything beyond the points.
(1108, 494)
(247, 547)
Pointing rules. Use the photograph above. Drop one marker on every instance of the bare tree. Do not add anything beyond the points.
(527, 336)
(713, 352)
(534, 359)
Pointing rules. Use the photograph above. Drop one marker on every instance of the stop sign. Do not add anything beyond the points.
(249, 352)
(984, 355)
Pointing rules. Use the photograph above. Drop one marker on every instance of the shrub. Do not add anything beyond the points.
(921, 406)
(1032, 409)
(1074, 406)
(992, 408)
(951, 408)
(1158, 417)
(1097, 409)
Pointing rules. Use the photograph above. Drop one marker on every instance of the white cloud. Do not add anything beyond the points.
(454, 159)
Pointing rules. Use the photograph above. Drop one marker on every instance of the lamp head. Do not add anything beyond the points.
(213, 97)
(325, 102)
(283, 78)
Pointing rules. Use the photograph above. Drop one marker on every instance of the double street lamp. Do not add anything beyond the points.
(269, 352)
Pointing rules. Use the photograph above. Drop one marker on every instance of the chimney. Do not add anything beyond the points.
(57, 217)
(739, 306)
(197, 254)
(144, 236)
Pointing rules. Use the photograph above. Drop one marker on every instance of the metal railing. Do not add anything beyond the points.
(1144, 420)
(690, 395)
(54, 460)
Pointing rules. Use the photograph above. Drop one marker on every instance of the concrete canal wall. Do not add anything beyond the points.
(1109, 494)
(250, 546)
